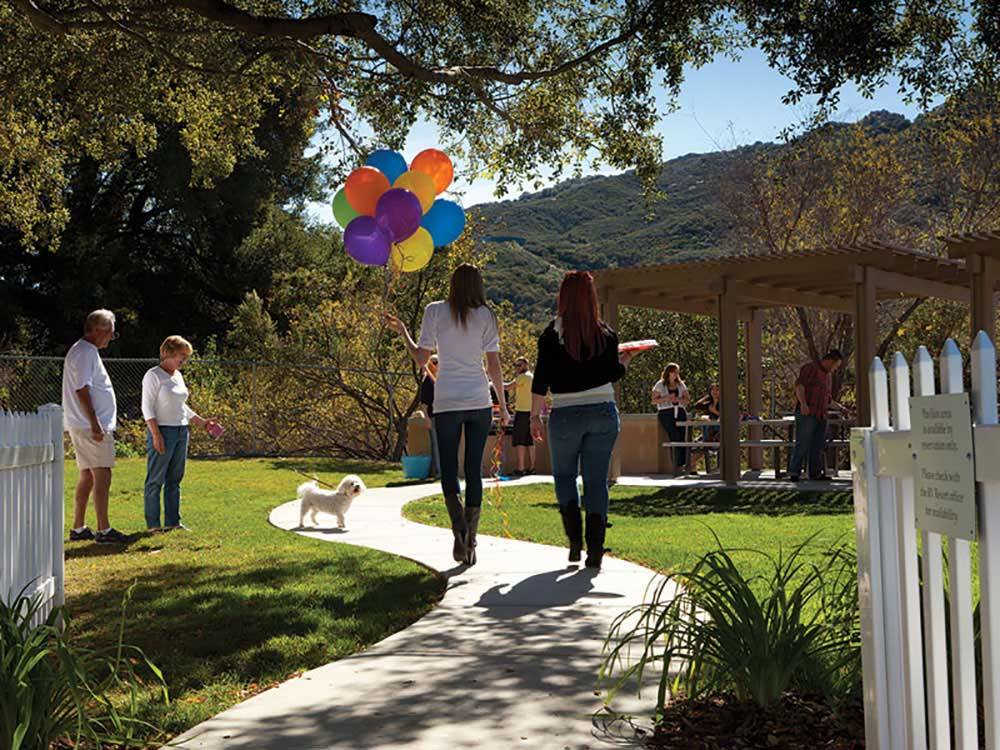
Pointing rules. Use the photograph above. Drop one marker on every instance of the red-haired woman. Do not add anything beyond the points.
(578, 361)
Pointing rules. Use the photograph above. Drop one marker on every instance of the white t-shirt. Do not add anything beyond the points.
(83, 367)
(661, 390)
(164, 398)
(461, 383)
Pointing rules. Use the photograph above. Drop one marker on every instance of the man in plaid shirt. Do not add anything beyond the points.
(812, 400)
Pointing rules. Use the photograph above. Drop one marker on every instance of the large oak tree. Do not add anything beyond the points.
(516, 86)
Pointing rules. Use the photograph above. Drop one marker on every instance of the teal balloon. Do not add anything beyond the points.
(342, 210)
(390, 163)
(445, 221)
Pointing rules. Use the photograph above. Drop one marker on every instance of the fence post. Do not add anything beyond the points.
(57, 509)
(888, 532)
(963, 655)
(984, 404)
(935, 640)
(253, 407)
(866, 526)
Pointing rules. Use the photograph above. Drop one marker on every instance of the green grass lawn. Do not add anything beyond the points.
(236, 605)
(667, 528)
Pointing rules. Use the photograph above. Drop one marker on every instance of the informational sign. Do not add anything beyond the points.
(944, 464)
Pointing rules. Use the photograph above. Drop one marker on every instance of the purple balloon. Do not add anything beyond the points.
(399, 212)
(367, 242)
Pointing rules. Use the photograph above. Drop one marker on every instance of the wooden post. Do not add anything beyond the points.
(729, 384)
(982, 275)
(755, 382)
(609, 313)
(865, 309)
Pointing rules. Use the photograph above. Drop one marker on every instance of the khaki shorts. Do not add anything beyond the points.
(91, 454)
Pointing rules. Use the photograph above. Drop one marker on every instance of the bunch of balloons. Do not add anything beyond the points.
(390, 212)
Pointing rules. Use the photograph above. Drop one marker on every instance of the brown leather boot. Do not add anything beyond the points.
(472, 526)
(457, 515)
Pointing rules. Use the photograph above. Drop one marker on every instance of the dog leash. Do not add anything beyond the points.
(313, 477)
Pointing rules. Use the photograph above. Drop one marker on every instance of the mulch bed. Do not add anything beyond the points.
(725, 723)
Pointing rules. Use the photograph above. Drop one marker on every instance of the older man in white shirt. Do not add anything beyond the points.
(90, 415)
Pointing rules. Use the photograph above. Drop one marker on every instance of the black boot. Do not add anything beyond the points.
(595, 539)
(457, 515)
(573, 526)
(472, 525)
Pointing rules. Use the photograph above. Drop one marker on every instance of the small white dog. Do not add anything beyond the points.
(337, 502)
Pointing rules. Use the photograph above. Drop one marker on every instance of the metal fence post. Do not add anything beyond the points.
(253, 408)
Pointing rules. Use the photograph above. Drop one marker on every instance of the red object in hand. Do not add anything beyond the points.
(215, 429)
(635, 347)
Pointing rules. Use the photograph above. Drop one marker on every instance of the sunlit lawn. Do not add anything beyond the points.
(236, 605)
(667, 528)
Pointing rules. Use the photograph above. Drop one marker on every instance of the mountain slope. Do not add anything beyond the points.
(600, 222)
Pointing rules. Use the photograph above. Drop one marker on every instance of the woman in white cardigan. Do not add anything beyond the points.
(167, 415)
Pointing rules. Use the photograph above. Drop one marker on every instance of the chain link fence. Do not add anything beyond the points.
(267, 408)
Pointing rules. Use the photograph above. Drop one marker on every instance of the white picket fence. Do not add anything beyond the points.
(911, 639)
(31, 505)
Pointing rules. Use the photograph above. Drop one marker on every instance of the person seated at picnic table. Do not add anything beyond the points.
(709, 409)
(671, 397)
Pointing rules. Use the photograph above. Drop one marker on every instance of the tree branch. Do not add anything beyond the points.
(38, 18)
(362, 26)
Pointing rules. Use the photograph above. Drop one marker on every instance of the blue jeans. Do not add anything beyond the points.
(435, 452)
(583, 436)
(449, 426)
(165, 472)
(810, 437)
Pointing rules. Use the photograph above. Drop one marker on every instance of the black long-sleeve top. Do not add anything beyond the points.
(557, 371)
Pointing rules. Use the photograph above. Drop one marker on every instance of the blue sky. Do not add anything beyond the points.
(722, 105)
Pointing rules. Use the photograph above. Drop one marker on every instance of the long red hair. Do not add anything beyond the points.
(582, 329)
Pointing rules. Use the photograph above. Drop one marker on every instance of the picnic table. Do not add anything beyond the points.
(779, 433)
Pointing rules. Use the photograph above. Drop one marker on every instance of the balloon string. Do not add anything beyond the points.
(496, 497)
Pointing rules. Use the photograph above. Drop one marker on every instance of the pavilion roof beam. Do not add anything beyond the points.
(915, 286)
(670, 303)
(772, 296)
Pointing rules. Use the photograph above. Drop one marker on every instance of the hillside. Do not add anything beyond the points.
(600, 222)
(597, 222)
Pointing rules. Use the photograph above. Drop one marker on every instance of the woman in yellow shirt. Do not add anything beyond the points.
(522, 441)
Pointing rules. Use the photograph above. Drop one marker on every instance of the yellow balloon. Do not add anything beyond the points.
(413, 253)
(421, 185)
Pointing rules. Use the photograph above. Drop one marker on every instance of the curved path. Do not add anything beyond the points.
(508, 659)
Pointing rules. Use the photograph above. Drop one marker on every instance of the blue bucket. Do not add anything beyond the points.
(416, 467)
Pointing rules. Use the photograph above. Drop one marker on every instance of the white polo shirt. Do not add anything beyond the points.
(83, 367)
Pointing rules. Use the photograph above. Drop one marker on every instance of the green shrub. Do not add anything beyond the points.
(713, 631)
(51, 689)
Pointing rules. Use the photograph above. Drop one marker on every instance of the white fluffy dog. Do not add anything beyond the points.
(336, 502)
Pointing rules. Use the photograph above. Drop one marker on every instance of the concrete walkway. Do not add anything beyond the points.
(508, 659)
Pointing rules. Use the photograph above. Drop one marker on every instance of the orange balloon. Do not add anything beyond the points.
(420, 184)
(435, 163)
(363, 188)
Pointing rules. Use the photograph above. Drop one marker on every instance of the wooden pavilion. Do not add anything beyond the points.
(736, 289)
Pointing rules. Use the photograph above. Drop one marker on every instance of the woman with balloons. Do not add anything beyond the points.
(391, 214)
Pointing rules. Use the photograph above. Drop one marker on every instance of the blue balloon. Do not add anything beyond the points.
(445, 220)
(390, 163)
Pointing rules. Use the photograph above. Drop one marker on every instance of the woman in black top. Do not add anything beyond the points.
(578, 361)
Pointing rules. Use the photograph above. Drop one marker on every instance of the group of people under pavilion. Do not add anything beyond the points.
(738, 289)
